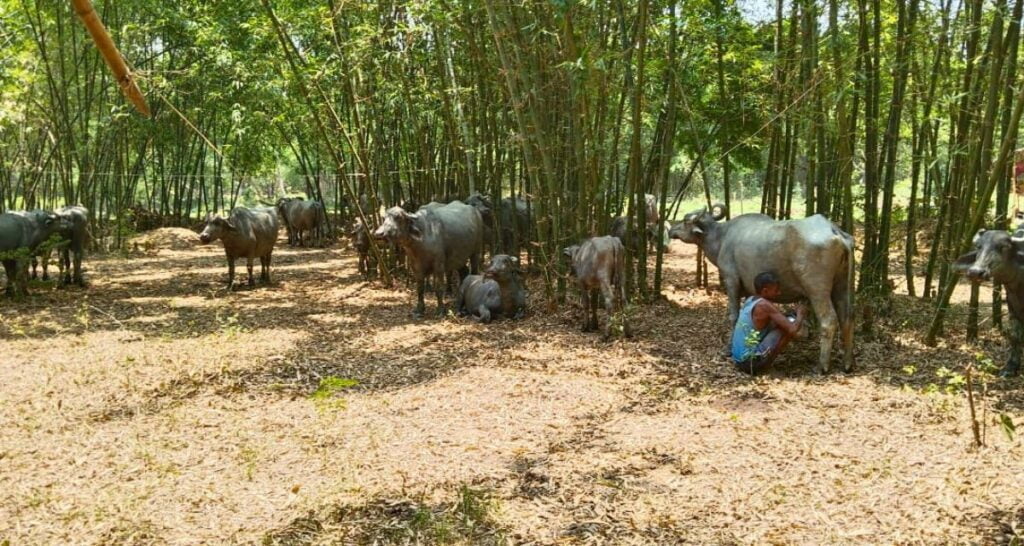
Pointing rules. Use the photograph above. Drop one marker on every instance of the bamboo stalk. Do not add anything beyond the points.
(113, 58)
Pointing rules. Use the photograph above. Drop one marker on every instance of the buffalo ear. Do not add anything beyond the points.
(697, 230)
(965, 261)
(514, 260)
(415, 230)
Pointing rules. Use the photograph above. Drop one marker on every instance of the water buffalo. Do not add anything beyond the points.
(498, 292)
(599, 264)
(812, 257)
(513, 221)
(621, 223)
(75, 240)
(437, 240)
(361, 243)
(21, 233)
(246, 233)
(999, 256)
(301, 216)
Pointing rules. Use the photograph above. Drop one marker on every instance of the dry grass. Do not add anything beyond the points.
(154, 408)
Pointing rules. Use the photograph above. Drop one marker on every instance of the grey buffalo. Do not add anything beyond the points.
(620, 226)
(498, 292)
(812, 257)
(599, 264)
(999, 257)
(302, 217)
(21, 234)
(437, 240)
(361, 243)
(246, 233)
(75, 239)
(513, 221)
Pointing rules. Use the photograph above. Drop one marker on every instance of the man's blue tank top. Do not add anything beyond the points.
(746, 337)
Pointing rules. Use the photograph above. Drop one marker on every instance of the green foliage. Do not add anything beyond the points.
(325, 397)
(1007, 426)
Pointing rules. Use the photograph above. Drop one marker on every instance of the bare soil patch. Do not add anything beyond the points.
(154, 408)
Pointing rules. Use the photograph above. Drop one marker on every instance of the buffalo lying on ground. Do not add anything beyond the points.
(246, 233)
(437, 240)
(21, 234)
(498, 292)
(599, 264)
(812, 258)
(999, 256)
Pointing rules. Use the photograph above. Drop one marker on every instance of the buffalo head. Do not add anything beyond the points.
(993, 252)
(398, 225)
(569, 253)
(695, 224)
(482, 204)
(502, 267)
(216, 226)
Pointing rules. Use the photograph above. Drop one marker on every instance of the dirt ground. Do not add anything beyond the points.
(153, 408)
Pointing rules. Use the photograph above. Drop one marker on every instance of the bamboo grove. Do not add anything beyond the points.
(895, 118)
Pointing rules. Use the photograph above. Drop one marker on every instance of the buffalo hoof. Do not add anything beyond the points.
(1010, 370)
(417, 314)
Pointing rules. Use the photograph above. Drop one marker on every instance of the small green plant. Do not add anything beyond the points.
(82, 314)
(249, 457)
(985, 364)
(1007, 425)
(324, 396)
(230, 326)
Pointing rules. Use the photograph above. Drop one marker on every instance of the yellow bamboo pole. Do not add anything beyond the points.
(110, 54)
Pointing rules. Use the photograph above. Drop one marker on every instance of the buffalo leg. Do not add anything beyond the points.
(231, 273)
(841, 303)
(828, 321)
(1016, 338)
(265, 269)
(248, 266)
(78, 268)
(609, 306)
(474, 264)
(10, 267)
(485, 314)
(439, 289)
(63, 264)
(585, 301)
(420, 306)
(623, 302)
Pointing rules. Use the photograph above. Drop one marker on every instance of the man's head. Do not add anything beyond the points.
(766, 284)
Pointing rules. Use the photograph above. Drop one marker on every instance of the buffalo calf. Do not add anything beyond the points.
(599, 264)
